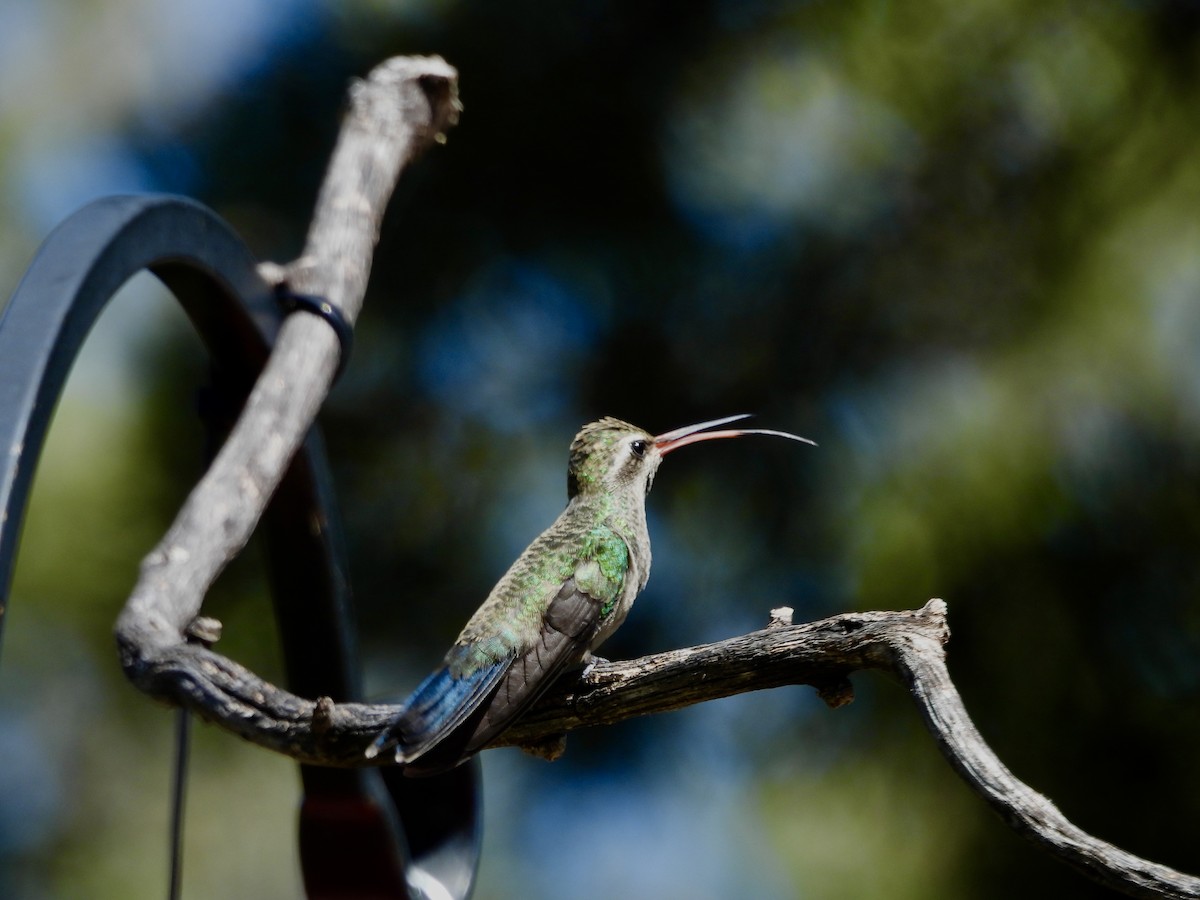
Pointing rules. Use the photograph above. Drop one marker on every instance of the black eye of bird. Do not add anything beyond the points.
(639, 448)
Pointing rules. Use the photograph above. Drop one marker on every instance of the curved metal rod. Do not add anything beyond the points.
(357, 831)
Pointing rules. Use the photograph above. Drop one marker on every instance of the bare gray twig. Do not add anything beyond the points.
(404, 105)
(921, 665)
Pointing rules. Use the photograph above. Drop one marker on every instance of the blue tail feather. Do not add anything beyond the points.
(440, 704)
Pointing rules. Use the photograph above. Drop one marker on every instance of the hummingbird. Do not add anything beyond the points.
(566, 594)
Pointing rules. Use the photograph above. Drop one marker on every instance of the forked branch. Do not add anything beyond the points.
(400, 109)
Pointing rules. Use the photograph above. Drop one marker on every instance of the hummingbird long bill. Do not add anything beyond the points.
(563, 597)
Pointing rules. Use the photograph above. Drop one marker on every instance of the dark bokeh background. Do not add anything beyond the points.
(956, 244)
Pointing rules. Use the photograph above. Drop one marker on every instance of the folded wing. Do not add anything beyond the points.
(450, 716)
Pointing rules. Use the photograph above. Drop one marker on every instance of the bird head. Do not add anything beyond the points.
(611, 455)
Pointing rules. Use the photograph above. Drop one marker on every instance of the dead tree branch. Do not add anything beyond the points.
(909, 645)
(403, 106)
(921, 665)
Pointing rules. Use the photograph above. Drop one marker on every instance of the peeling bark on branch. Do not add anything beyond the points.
(402, 107)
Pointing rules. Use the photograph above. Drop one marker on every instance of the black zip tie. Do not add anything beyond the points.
(290, 301)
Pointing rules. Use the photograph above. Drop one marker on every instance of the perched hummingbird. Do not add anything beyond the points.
(569, 590)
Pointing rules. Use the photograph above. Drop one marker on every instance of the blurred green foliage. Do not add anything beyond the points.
(956, 244)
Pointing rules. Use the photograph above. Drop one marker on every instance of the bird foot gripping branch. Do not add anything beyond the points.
(567, 593)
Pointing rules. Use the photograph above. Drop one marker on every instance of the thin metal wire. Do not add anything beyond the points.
(183, 734)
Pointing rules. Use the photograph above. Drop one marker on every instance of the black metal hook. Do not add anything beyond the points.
(361, 833)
